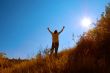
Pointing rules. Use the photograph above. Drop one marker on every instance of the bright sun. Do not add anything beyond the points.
(86, 22)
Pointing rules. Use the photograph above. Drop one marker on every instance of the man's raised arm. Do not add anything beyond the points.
(49, 30)
(62, 30)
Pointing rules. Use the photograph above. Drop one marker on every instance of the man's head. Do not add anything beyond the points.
(55, 31)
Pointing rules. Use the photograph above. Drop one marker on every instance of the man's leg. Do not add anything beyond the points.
(52, 49)
(56, 48)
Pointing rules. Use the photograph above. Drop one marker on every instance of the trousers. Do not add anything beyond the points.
(55, 47)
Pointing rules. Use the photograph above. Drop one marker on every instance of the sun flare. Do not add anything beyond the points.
(86, 22)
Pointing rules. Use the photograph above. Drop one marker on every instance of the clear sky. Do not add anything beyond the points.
(23, 23)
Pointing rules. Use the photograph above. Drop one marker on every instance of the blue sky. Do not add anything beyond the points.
(23, 23)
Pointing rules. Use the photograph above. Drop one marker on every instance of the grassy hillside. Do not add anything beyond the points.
(90, 55)
(40, 64)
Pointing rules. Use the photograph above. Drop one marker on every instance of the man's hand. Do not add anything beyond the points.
(48, 28)
(63, 27)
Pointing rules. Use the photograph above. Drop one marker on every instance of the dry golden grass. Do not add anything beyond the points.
(47, 64)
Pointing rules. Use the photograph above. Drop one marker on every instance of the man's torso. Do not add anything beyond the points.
(55, 37)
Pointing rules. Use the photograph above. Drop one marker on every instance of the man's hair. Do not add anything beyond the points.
(55, 31)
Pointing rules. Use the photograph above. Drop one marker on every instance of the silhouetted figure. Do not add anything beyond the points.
(55, 40)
